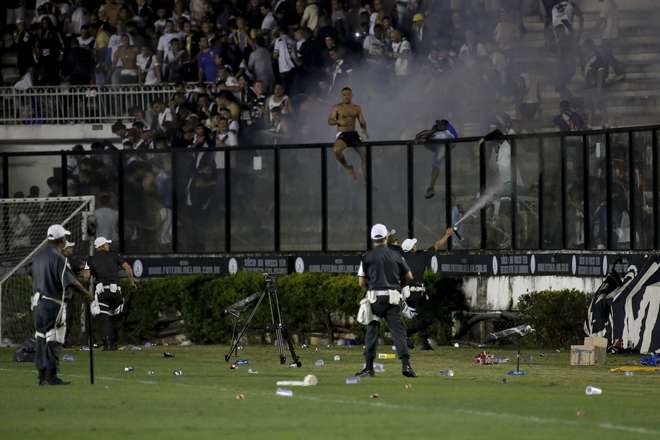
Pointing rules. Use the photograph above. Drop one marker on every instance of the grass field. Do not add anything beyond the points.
(548, 403)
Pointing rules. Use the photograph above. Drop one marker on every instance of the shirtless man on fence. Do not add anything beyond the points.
(344, 115)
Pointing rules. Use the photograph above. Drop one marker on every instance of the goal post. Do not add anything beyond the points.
(23, 226)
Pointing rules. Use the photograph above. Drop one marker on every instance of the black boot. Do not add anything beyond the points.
(52, 379)
(426, 345)
(368, 369)
(42, 377)
(407, 370)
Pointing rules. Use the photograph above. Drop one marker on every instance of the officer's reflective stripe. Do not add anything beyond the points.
(55, 300)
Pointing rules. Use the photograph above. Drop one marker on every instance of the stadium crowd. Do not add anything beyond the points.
(261, 72)
(251, 68)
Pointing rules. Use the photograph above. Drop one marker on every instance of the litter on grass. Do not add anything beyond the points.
(283, 392)
(636, 369)
(593, 391)
(309, 381)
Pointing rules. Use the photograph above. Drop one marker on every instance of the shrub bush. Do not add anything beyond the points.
(556, 315)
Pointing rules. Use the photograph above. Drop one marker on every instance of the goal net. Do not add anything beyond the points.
(23, 226)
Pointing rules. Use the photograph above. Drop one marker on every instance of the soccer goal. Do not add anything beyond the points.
(23, 226)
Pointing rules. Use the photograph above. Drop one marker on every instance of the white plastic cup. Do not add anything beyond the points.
(319, 363)
(593, 391)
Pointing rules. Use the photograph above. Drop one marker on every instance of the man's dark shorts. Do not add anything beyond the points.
(350, 138)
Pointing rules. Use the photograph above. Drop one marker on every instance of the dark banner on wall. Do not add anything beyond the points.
(537, 264)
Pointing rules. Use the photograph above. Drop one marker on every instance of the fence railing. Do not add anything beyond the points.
(70, 104)
(595, 190)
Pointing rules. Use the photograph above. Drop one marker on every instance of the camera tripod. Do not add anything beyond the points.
(281, 333)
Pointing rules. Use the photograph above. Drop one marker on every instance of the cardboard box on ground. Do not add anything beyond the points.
(592, 352)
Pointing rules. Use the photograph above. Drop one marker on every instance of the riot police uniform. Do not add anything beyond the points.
(108, 301)
(384, 270)
(51, 278)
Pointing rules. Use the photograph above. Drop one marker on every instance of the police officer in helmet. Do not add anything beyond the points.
(52, 280)
(108, 300)
(382, 273)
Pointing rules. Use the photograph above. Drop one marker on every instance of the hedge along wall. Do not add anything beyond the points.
(310, 303)
(322, 303)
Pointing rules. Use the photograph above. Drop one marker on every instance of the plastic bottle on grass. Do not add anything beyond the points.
(284, 392)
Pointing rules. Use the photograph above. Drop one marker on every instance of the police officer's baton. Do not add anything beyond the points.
(90, 340)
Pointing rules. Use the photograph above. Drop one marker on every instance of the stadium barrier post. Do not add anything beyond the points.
(448, 219)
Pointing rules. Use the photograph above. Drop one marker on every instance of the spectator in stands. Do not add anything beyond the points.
(170, 33)
(310, 17)
(24, 45)
(20, 226)
(401, 54)
(124, 61)
(284, 52)
(568, 119)
(260, 65)
(277, 102)
(224, 137)
(110, 12)
(148, 67)
(269, 21)
(103, 53)
(107, 216)
(85, 40)
(595, 74)
(49, 46)
(78, 64)
(208, 70)
(421, 37)
(374, 47)
(55, 186)
(144, 14)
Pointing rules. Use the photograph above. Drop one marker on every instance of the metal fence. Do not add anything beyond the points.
(64, 104)
(595, 190)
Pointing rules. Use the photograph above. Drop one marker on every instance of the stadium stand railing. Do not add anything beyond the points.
(75, 104)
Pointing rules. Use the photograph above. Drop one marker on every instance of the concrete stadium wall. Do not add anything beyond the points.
(17, 138)
(502, 292)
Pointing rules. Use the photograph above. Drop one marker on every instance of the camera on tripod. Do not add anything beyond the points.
(281, 334)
